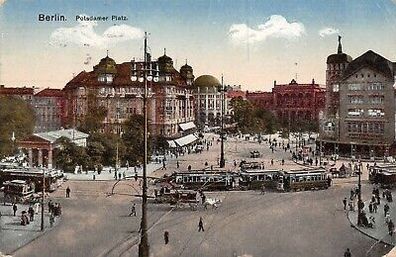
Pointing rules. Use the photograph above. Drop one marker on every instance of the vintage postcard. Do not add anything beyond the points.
(209, 128)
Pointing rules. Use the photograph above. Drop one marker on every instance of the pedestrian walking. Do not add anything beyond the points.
(347, 253)
(14, 208)
(375, 207)
(177, 164)
(31, 213)
(386, 209)
(391, 227)
(67, 192)
(272, 161)
(51, 219)
(200, 225)
(133, 210)
(166, 237)
(345, 203)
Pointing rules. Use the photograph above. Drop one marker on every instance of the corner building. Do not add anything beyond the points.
(119, 88)
(360, 105)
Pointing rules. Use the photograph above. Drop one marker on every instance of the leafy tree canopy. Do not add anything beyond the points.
(16, 116)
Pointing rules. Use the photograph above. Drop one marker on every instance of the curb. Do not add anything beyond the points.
(365, 233)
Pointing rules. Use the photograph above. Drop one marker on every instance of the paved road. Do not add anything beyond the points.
(275, 224)
(91, 223)
(280, 225)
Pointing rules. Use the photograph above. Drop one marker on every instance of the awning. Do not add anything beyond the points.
(186, 140)
(187, 126)
(171, 143)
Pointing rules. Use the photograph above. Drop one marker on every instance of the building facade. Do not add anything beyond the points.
(119, 89)
(209, 101)
(293, 102)
(360, 107)
(49, 105)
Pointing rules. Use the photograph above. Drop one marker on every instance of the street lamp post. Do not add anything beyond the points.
(222, 91)
(359, 221)
(42, 200)
(144, 244)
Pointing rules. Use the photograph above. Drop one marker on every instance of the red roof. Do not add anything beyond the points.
(122, 78)
(16, 90)
(50, 92)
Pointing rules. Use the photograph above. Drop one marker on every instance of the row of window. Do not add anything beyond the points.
(370, 87)
(359, 99)
(356, 112)
(366, 127)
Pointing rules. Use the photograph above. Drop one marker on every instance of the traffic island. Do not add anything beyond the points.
(13, 235)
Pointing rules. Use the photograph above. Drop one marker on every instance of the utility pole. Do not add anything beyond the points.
(144, 245)
(359, 221)
(222, 91)
(42, 201)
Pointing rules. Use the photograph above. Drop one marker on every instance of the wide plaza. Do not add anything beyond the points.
(309, 223)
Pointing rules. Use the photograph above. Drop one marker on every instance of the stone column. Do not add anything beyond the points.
(40, 157)
(50, 158)
(30, 154)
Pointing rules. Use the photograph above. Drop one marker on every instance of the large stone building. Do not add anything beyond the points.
(209, 101)
(119, 88)
(48, 104)
(360, 105)
(292, 103)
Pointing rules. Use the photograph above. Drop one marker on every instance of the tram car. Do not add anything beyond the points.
(383, 174)
(17, 191)
(53, 178)
(304, 179)
(205, 180)
(253, 176)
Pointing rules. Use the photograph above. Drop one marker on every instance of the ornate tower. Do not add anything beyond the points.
(186, 72)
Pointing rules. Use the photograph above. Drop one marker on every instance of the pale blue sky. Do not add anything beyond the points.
(200, 32)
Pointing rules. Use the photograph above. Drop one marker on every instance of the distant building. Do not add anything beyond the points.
(26, 93)
(50, 106)
(119, 88)
(208, 101)
(292, 102)
(235, 91)
(40, 146)
(360, 106)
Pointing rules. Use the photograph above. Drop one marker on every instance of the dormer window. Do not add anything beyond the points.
(106, 78)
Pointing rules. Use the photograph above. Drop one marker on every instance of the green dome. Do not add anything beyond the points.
(207, 81)
(106, 65)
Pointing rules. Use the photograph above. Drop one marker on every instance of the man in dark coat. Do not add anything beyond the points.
(347, 253)
(67, 192)
(14, 208)
(200, 225)
(166, 237)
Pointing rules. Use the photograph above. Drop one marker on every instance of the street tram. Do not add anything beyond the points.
(383, 174)
(53, 178)
(205, 180)
(253, 176)
(304, 179)
(17, 191)
(257, 179)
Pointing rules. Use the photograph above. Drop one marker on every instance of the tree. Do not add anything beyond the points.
(109, 143)
(16, 117)
(134, 139)
(69, 155)
(93, 120)
(253, 119)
